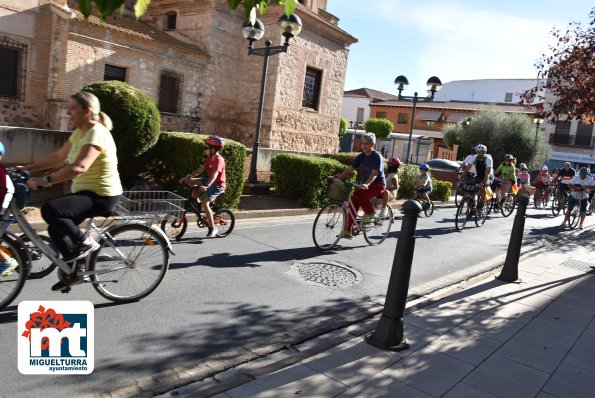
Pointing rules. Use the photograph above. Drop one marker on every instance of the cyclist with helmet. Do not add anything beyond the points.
(483, 166)
(579, 185)
(392, 184)
(543, 180)
(424, 182)
(370, 166)
(524, 180)
(214, 183)
(7, 263)
(506, 171)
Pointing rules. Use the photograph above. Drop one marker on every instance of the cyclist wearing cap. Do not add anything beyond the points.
(370, 167)
(506, 171)
(424, 182)
(564, 176)
(215, 182)
(392, 184)
(579, 185)
(484, 166)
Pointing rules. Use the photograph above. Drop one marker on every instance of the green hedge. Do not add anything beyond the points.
(303, 177)
(440, 190)
(343, 126)
(344, 157)
(177, 154)
(408, 177)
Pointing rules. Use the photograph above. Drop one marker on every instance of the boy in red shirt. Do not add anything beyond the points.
(215, 182)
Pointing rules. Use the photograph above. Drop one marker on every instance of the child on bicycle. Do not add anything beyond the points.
(7, 263)
(524, 180)
(543, 181)
(424, 182)
(215, 182)
(392, 184)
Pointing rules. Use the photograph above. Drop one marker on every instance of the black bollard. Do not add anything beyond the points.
(389, 331)
(510, 270)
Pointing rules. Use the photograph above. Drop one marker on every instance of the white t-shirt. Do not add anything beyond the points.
(587, 182)
(489, 163)
(470, 159)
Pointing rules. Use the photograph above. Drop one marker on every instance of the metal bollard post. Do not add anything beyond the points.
(389, 331)
(510, 270)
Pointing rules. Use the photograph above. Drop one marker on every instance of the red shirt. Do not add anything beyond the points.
(214, 164)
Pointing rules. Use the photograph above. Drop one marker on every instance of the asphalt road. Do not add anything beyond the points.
(228, 300)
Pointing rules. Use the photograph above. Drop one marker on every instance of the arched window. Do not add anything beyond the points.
(170, 20)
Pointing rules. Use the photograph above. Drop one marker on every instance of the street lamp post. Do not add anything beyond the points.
(289, 26)
(537, 119)
(434, 84)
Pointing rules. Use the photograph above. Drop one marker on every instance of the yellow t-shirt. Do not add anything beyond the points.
(102, 177)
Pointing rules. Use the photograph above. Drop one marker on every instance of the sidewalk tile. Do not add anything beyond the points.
(551, 332)
(465, 345)
(429, 371)
(533, 352)
(582, 355)
(574, 317)
(381, 386)
(295, 380)
(417, 339)
(501, 322)
(352, 362)
(571, 381)
(463, 390)
(569, 299)
(530, 297)
(505, 378)
(435, 320)
(553, 289)
(588, 335)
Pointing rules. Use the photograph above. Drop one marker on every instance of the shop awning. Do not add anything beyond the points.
(431, 116)
(457, 117)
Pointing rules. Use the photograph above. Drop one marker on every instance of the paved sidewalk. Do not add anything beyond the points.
(531, 338)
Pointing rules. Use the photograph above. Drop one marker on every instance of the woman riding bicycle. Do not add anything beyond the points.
(370, 167)
(506, 171)
(92, 165)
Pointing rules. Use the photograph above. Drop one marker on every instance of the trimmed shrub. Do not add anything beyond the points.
(381, 127)
(177, 154)
(303, 177)
(440, 190)
(344, 157)
(343, 127)
(136, 123)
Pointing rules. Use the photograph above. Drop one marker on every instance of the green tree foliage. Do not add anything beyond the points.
(381, 127)
(343, 126)
(139, 7)
(568, 73)
(502, 133)
(136, 123)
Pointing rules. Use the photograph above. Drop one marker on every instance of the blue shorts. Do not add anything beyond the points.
(213, 191)
(572, 202)
(424, 189)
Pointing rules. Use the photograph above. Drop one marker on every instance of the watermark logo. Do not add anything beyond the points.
(56, 337)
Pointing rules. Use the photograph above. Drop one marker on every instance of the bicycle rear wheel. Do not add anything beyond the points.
(590, 206)
(428, 208)
(329, 223)
(507, 207)
(574, 216)
(175, 227)
(40, 265)
(556, 205)
(11, 285)
(224, 222)
(131, 262)
(377, 231)
(481, 214)
(463, 213)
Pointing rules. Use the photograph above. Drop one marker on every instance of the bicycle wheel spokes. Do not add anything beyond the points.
(40, 264)
(463, 214)
(175, 228)
(224, 221)
(377, 231)
(428, 208)
(556, 206)
(508, 205)
(131, 263)
(328, 225)
(574, 216)
(11, 285)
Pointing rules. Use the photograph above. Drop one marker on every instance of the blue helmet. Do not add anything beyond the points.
(424, 166)
(2, 150)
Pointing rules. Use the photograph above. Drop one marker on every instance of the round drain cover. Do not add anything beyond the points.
(327, 274)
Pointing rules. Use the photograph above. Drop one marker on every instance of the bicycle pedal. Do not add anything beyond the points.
(66, 289)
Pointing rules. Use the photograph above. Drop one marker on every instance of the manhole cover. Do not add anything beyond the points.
(327, 274)
(579, 265)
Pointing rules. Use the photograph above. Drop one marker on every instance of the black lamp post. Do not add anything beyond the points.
(289, 26)
(434, 84)
(537, 119)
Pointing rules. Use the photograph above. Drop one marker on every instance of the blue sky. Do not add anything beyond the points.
(451, 39)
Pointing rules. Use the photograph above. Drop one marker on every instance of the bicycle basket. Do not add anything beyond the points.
(337, 190)
(469, 187)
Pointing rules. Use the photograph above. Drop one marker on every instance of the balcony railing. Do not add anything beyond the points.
(572, 140)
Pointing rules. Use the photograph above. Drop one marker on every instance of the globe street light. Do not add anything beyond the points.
(537, 119)
(434, 84)
(289, 26)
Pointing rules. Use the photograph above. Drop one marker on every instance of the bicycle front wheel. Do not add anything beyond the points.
(40, 265)
(481, 214)
(556, 205)
(224, 222)
(574, 216)
(428, 208)
(507, 207)
(463, 214)
(328, 225)
(377, 231)
(175, 227)
(130, 263)
(12, 284)
(458, 196)
(590, 206)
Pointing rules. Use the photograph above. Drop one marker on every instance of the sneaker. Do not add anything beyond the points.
(86, 247)
(383, 213)
(580, 226)
(6, 267)
(213, 232)
(368, 218)
(345, 235)
(564, 223)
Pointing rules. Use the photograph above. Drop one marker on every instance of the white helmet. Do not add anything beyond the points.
(544, 168)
